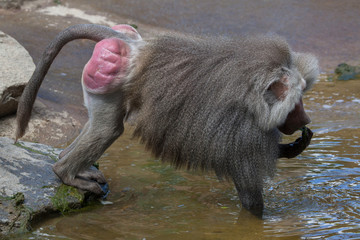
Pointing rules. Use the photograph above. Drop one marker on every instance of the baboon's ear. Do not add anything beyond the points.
(280, 88)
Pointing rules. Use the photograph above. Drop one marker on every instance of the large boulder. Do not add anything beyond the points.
(16, 66)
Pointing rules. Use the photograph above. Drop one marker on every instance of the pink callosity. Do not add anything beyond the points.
(107, 67)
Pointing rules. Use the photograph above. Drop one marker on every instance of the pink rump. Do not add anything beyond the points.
(107, 67)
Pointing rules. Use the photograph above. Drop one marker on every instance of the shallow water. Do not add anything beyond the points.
(312, 196)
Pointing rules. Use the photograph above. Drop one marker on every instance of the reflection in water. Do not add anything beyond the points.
(313, 196)
(324, 198)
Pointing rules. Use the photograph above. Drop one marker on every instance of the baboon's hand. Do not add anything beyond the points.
(295, 148)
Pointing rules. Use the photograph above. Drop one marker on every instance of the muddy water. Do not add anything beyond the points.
(314, 195)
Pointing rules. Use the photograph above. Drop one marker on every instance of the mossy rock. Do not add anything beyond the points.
(67, 198)
(345, 72)
(31, 189)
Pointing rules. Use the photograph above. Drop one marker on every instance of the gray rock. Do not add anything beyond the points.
(16, 67)
(29, 188)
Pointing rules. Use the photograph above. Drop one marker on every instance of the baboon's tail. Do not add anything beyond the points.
(81, 31)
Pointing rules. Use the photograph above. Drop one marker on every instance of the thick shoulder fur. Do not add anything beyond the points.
(200, 96)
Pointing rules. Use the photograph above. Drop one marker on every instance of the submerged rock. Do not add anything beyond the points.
(29, 189)
(16, 66)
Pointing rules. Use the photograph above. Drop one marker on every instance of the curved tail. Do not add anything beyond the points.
(81, 31)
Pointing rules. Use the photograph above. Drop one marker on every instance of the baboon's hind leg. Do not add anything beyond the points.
(104, 127)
